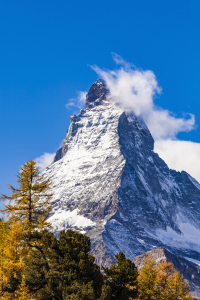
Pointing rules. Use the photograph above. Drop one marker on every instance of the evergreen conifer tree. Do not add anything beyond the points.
(62, 269)
(121, 278)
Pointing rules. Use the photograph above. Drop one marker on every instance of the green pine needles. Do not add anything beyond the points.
(63, 269)
(121, 278)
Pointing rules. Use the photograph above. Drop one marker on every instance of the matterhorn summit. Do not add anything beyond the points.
(108, 183)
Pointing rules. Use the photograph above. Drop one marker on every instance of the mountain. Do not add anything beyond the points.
(189, 270)
(108, 183)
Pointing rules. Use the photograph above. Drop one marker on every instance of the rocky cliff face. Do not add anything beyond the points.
(189, 270)
(109, 184)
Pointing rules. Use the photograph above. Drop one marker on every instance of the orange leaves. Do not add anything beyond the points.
(161, 282)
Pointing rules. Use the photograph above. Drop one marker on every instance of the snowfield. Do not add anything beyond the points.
(108, 183)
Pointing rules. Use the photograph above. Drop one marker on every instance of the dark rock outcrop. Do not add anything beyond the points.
(96, 94)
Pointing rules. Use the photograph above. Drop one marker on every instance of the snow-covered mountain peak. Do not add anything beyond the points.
(108, 183)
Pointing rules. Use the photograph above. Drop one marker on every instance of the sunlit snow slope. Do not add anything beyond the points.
(108, 183)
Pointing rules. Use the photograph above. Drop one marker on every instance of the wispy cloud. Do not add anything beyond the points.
(120, 61)
(136, 90)
(44, 160)
(81, 99)
(71, 103)
(78, 102)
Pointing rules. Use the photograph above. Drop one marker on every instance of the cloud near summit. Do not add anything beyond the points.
(44, 160)
(135, 90)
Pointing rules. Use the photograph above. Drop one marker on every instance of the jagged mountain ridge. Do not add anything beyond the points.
(109, 184)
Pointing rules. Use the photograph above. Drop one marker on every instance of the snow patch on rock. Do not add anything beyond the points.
(66, 219)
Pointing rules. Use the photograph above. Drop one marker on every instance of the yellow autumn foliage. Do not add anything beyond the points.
(161, 282)
(12, 259)
(30, 202)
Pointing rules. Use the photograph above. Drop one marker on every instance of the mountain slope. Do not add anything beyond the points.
(108, 183)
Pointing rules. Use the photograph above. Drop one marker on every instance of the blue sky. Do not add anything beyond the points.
(45, 53)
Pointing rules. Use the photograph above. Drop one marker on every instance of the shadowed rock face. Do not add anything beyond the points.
(108, 183)
(189, 270)
(96, 94)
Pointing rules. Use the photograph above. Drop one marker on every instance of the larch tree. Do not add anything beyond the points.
(177, 288)
(3, 234)
(13, 253)
(147, 278)
(27, 211)
(161, 282)
(30, 202)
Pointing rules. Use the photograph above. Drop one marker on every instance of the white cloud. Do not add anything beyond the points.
(71, 103)
(135, 90)
(81, 99)
(120, 61)
(180, 155)
(44, 160)
(79, 102)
